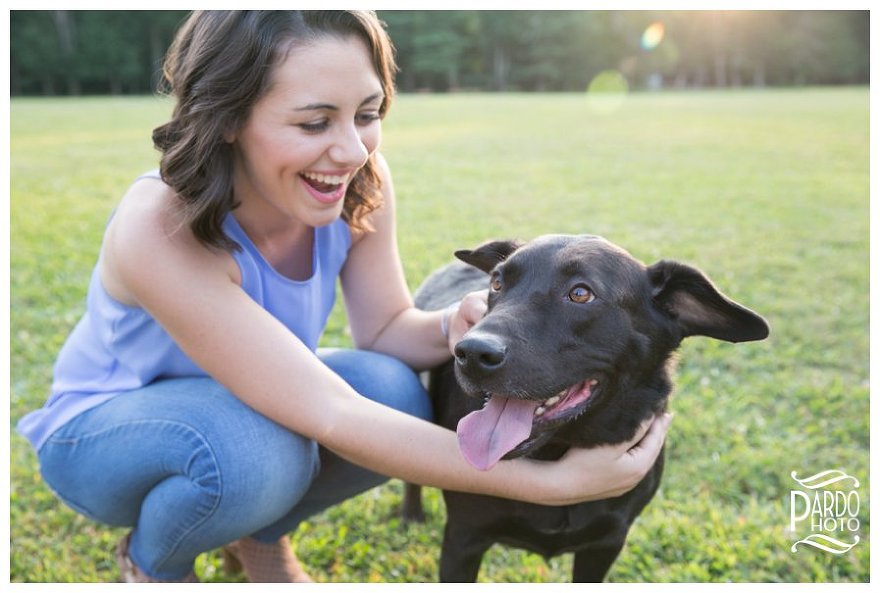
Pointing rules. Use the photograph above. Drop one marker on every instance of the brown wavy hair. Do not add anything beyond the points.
(219, 64)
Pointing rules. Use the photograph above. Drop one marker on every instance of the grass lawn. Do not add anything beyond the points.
(766, 191)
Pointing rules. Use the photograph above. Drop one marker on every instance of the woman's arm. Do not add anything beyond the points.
(193, 294)
(378, 302)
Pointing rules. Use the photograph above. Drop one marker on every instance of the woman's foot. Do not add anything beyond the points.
(265, 563)
(130, 573)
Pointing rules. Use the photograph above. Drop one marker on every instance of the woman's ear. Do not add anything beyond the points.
(231, 128)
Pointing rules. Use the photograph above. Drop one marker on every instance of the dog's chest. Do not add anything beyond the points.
(560, 520)
(551, 531)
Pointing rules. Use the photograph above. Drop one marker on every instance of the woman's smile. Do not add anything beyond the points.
(324, 187)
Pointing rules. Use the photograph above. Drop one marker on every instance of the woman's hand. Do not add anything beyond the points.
(605, 472)
(471, 309)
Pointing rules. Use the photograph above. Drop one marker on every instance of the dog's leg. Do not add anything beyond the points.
(412, 510)
(592, 564)
(462, 553)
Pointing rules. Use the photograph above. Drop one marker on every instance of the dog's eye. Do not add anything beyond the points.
(581, 294)
(495, 284)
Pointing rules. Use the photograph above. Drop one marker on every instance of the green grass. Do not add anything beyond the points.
(765, 191)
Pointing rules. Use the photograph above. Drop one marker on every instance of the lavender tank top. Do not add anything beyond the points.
(115, 348)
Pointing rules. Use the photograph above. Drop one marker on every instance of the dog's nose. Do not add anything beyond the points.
(480, 353)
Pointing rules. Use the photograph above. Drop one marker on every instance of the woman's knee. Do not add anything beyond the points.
(381, 378)
(264, 468)
(106, 462)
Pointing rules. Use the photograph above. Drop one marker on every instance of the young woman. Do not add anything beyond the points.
(191, 402)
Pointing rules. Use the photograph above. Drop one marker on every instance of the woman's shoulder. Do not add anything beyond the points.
(146, 226)
(149, 212)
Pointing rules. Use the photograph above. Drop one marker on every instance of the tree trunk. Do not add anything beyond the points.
(499, 69)
(65, 30)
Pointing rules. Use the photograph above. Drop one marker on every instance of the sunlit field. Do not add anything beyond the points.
(766, 191)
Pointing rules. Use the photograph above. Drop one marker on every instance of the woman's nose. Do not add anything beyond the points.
(348, 147)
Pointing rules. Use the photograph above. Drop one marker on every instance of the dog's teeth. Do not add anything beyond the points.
(539, 411)
(593, 383)
(552, 401)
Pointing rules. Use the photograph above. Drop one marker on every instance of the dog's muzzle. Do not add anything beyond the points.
(479, 355)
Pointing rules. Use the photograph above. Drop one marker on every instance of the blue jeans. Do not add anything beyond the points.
(191, 467)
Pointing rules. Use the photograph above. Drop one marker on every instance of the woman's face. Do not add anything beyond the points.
(308, 135)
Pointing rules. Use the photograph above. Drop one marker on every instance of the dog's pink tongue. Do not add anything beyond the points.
(486, 435)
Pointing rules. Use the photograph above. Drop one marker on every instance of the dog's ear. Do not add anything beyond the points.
(689, 297)
(488, 255)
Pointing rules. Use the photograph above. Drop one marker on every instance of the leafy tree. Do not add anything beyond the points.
(54, 52)
(35, 55)
(431, 46)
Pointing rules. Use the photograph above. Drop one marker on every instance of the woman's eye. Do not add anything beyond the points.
(581, 294)
(318, 126)
(368, 117)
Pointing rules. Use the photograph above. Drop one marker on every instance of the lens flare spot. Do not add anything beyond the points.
(653, 35)
(607, 91)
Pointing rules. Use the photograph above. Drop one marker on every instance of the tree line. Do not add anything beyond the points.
(120, 52)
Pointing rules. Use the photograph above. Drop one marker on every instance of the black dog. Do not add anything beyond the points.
(573, 352)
